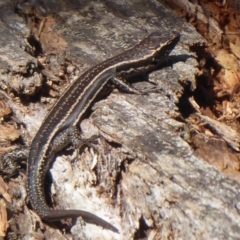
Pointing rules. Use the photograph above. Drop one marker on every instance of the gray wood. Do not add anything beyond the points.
(145, 179)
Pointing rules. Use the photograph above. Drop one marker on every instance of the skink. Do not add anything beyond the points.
(60, 127)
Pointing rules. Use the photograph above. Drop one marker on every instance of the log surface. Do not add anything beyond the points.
(145, 179)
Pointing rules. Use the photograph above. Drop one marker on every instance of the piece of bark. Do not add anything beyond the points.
(145, 179)
(3, 219)
(227, 133)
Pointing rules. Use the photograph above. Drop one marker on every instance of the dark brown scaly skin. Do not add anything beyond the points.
(59, 127)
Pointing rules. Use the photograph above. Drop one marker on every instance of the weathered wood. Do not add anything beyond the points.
(145, 179)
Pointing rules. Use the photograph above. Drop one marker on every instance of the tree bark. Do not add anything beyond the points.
(142, 176)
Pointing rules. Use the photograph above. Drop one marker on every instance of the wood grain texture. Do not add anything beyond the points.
(145, 179)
